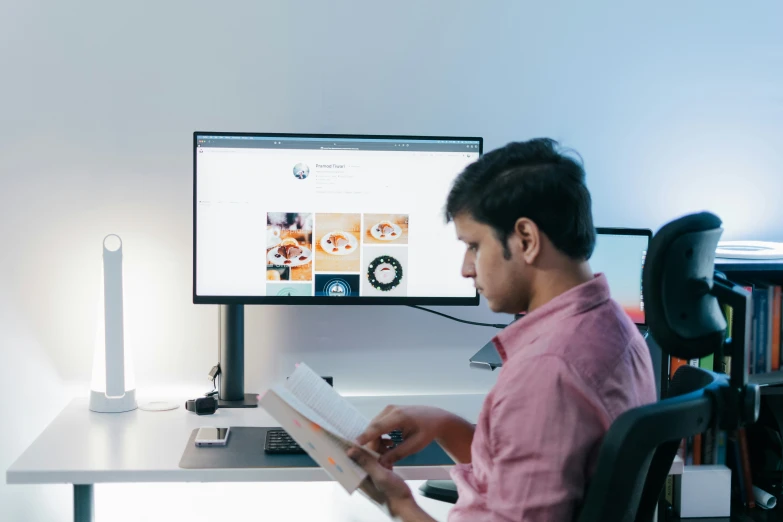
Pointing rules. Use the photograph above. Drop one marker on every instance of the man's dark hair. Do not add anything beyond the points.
(532, 179)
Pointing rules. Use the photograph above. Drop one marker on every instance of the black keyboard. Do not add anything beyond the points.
(280, 442)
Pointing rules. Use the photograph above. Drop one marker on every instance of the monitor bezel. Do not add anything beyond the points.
(322, 300)
(615, 231)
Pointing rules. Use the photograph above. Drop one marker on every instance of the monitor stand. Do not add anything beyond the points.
(231, 393)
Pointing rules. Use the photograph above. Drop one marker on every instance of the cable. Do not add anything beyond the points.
(500, 326)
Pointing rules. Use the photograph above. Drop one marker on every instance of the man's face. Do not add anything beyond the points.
(499, 280)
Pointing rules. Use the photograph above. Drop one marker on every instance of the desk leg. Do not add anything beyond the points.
(83, 507)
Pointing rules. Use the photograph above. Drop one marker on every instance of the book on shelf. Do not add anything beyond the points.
(766, 335)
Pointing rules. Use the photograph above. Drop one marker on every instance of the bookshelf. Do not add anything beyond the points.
(752, 272)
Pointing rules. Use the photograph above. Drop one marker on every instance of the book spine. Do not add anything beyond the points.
(750, 351)
(675, 364)
(707, 363)
(776, 310)
(670, 489)
(697, 443)
(709, 446)
(767, 311)
(720, 447)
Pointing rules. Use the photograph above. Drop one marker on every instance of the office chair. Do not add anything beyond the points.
(683, 296)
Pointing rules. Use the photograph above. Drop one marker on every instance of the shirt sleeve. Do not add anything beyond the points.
(544, 428)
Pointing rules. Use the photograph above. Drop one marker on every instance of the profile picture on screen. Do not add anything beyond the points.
(301, 171)
(289, 244)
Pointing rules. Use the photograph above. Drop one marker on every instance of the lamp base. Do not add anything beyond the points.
(100, 403)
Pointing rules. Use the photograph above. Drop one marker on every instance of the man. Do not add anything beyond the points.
(571, 365)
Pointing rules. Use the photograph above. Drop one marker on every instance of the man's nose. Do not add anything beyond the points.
(468, 269)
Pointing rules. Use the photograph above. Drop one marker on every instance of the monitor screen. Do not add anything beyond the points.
(619, 253)
(314, 219)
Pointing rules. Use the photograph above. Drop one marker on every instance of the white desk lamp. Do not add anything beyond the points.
(113, 387)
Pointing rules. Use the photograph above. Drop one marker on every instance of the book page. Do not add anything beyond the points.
(311, 389)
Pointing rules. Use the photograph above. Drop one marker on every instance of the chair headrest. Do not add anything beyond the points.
(683, 317)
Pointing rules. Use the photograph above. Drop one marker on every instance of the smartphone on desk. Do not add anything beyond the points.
(210, 436)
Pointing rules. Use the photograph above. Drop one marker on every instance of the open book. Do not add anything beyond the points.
(324, 424)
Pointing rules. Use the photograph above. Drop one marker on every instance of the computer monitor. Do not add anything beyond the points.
(327, 219)
(619, 254)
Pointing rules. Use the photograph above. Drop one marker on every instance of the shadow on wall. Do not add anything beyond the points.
(38, 395)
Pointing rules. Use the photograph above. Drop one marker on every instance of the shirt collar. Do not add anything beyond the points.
(574, 301)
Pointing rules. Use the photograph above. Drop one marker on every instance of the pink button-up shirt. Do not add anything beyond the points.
(570, 368)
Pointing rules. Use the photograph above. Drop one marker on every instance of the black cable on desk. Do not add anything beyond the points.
(491, 325)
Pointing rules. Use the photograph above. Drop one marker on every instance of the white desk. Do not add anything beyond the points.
(82, 448)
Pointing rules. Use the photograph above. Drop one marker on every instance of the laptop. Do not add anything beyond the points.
(619, 254)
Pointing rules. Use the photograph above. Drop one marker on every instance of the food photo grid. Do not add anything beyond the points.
(336, 254)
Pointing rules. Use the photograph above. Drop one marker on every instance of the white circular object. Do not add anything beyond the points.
(112, 242)
(158, 405)
(395, 234)
(749, 250)
(340, 250)
(302, 259)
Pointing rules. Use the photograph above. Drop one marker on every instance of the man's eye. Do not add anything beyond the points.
(473, 247)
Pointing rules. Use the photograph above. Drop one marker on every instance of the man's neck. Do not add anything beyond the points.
(558, 280)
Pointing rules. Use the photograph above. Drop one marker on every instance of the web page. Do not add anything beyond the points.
(327, 222)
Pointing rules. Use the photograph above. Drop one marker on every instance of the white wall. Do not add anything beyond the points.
(675, 107)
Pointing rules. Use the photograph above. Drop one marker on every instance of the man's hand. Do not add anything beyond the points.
(397, 495)
(420, 425)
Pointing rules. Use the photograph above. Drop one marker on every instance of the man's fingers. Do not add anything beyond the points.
(365, 460)
(374, 445)
(373, 432)
(358, 456)
(402, 450)
(382, 424)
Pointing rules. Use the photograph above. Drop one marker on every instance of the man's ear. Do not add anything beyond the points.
(528, 239)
